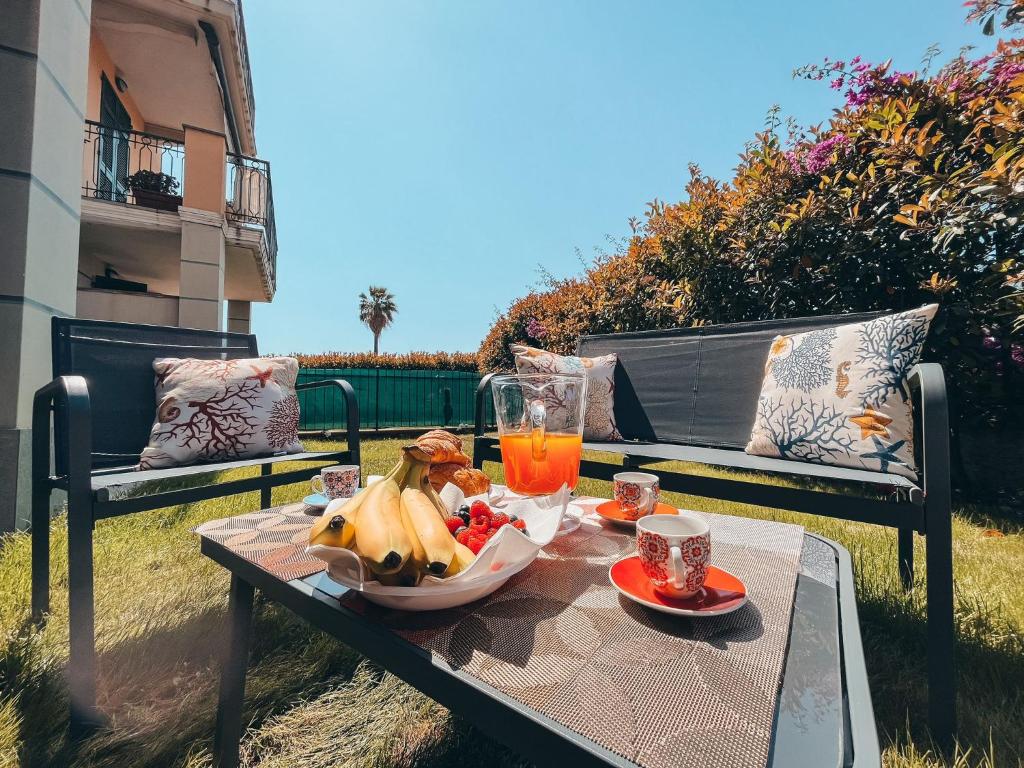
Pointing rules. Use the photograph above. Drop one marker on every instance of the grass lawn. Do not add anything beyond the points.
(313, 702)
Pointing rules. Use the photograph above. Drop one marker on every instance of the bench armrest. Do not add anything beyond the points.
(68, 398)
(351, 410)
(481, 405)
(930, 383)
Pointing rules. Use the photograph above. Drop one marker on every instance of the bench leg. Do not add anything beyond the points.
(40, 552)
(905, 546)
(941, 639)
(81, 671)
(228, 733)
(265, 501)
(478, 459)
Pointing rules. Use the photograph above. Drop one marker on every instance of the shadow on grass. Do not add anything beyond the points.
(990, 668)
(159, 688)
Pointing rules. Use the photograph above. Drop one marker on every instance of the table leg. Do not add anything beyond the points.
(228, 733)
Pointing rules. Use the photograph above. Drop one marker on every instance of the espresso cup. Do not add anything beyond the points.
(637, 493)
(674, 552)
(338, 482)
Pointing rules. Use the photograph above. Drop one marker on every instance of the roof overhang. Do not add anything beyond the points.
(174, 74)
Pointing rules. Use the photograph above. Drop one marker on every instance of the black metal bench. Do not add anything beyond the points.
(102, 403)
(690, 395)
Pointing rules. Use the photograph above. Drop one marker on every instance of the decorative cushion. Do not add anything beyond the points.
(839, 395)
(218, 410)
(599, 417)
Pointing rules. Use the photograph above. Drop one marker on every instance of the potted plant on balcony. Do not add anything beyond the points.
(154, 190)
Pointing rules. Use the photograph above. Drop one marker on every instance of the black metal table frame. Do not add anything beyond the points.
(928, 513)
(534, 736)
(67, 463)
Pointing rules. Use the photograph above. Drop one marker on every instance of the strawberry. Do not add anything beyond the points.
(499, 519)
(453, 523)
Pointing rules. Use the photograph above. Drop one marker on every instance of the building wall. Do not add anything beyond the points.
(124, 307)
(101, 64)
(43, 92)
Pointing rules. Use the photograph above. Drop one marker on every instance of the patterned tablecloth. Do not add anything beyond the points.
(656, 689)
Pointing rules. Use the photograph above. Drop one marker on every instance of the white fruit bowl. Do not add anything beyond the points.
(505, 554)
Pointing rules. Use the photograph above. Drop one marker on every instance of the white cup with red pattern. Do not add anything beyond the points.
(338, 482)
(636, 493)
(674, 552)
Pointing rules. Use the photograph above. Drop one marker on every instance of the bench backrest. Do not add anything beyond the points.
(116, 360)
(696, 386)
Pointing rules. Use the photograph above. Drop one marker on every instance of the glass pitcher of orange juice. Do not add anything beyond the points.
(540, 430)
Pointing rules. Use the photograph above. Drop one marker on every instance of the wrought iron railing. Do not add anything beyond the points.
(113, 155)
(250, 200)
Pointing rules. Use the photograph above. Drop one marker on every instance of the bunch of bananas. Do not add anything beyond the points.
(397, 526)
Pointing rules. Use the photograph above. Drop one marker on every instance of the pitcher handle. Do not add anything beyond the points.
(538, 416)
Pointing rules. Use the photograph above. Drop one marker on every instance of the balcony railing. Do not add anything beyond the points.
(250, 200)
(112, 156)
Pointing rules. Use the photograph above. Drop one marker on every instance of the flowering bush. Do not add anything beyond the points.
(430, 361)
(912, 193)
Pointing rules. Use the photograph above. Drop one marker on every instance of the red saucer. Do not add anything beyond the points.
(612, 512)
(722, 592)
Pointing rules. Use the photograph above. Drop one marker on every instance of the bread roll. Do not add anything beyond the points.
(470, 481)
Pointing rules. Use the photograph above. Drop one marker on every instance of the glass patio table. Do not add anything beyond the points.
(817, 714)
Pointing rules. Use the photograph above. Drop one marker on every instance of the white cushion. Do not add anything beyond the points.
(840, 396)
(599, 417)
(220, 410)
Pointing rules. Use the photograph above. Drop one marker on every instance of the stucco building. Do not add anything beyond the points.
(130, 185)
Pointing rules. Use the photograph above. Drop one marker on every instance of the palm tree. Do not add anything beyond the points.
(377, 311)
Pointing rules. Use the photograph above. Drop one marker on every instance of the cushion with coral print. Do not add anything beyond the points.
(840, 395)
(222, 410)
(599, 416)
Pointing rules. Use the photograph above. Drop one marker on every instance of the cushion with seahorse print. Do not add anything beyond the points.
(840, 395)
(221, 410)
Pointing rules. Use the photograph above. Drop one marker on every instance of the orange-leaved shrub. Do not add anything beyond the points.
(912, 193)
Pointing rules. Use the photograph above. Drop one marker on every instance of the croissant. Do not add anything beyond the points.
(442, 447)
(471, 481)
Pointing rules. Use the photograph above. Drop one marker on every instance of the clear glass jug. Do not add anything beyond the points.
(540, 429)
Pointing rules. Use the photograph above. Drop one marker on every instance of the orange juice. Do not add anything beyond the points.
(538, 463)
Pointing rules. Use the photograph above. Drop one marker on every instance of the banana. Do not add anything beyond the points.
(337, 527)
(463, 558)
(409, 576)
(426, 521)
(380, 538)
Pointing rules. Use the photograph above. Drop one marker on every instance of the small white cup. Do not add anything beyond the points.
(637, 493)
(338, 482)
(674, 552)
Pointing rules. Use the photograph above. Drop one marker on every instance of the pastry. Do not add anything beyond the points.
(470, 481)
(442, 447)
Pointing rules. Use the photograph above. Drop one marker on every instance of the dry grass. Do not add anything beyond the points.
(313, 702)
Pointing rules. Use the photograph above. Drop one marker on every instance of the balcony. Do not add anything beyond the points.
(145, 175)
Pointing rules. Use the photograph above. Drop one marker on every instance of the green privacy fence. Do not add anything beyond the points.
(392, 398)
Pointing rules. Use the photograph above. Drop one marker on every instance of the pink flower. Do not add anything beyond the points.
(535, 329)
(1017, 355)
(991, 344)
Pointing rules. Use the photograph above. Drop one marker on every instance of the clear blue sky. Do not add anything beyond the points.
(444, 149)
